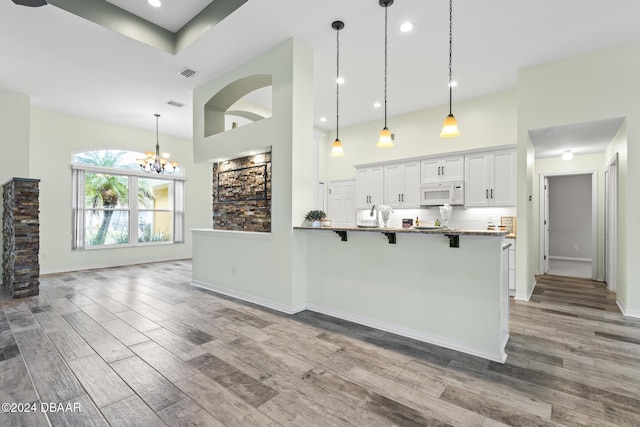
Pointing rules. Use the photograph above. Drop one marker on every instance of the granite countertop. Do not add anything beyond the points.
(449, 231)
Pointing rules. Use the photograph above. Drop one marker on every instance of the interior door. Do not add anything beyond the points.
(342, 209)
(546, 225)
(610, 227)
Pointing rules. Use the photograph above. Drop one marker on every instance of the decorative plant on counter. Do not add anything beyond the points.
(314, 217)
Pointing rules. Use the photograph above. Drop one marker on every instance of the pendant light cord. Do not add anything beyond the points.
(450, 53)
(337, 84)
(386, 16)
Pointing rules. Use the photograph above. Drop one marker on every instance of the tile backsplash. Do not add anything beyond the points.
(469, 219)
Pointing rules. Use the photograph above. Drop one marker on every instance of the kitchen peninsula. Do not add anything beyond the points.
(422, 287)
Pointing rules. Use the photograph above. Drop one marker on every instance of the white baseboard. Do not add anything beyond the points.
(46, 271)
(526, 296)
(569, 258)
(497, 355)
(627, 312)
(250, 298)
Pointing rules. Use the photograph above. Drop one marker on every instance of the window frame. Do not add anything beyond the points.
(79, 207)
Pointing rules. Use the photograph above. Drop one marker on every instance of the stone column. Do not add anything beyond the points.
(21, 237)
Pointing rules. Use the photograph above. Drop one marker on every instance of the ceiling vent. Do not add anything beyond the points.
(187, 72)
(175, 103)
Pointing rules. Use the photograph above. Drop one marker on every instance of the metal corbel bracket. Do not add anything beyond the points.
(391, 237)
(454, 240)
(342, 234)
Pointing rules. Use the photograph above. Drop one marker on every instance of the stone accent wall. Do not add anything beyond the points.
(242, 194)
(21, 234)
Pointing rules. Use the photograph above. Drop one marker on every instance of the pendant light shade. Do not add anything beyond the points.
(450, 125)
(336, 149)
(385, 140)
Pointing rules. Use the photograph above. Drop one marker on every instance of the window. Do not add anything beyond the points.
(115, 204)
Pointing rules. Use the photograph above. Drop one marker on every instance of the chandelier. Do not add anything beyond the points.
(157, 162)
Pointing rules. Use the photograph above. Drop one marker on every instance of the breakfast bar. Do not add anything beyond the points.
(422, 286)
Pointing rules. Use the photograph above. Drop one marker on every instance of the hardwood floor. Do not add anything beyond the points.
(138, 346)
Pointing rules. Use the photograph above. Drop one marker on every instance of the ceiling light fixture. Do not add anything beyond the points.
(156, 162)
(450, 125)
(323, 119)
(377, 105)
(336, 149)
(405, 27)
(155, 3)
(567, 155)
(385, 141)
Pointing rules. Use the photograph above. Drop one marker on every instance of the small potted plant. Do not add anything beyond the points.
(315, 217)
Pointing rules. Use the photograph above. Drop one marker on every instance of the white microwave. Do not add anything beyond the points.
(439, 193)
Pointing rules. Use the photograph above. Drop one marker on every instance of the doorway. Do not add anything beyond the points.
(569, 224)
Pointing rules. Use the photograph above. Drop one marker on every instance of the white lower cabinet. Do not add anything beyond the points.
(402, 185)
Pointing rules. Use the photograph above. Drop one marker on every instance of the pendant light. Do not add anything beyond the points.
(336, 149)
(156, 161)
(450, 125)
(385, 140)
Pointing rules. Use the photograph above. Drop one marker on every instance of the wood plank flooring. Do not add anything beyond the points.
(139, 346)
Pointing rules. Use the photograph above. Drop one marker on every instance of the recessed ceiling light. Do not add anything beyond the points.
(553, 131)
(155, 3)
(340, 80)
(405, 27)
(453, 83)
(377, 105)
(567, 155)
(323, 119)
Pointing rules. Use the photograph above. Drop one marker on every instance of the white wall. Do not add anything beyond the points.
(485, 121)
(596, 85)
(54, 138)
(14, 137)
(268, 267)
(570, 216)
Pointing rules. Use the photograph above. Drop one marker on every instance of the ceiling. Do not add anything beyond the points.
(579, 138)
(76, 66)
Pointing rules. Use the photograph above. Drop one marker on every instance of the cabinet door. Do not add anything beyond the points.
(411, 192)
(363, 188)
(430, 171)
(504, 179)
(377, 185)
(393, 185)
(452, 169)
(477, 183)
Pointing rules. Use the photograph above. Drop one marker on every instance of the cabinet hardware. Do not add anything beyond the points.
(403, 197)
(492, 193)
(486, 194)
(442, 170)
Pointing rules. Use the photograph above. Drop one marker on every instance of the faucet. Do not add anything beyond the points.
(374, 209)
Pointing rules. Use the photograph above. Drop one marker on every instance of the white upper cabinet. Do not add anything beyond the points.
(490, 179)
(369, 186)
(443, 169)
(402, 185)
